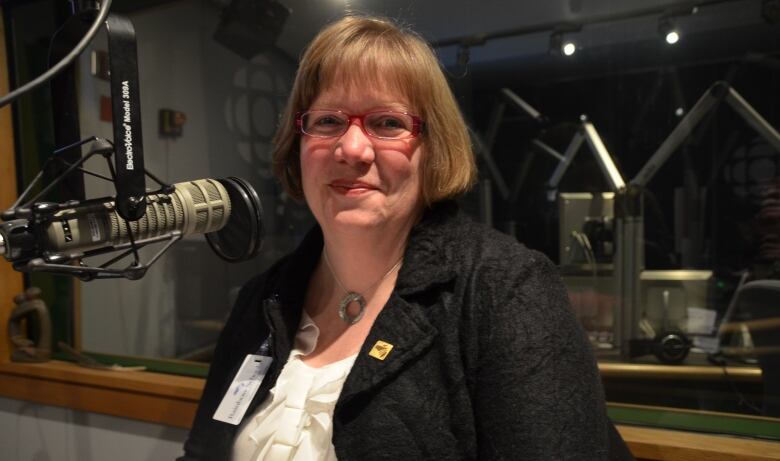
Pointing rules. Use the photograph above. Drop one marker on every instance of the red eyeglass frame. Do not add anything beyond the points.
(418, 124)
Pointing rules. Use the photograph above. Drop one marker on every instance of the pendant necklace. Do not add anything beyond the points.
(353, 296)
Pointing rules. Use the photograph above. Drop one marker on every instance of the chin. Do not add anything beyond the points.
(359, 218)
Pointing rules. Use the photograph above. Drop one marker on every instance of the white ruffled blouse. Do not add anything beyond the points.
(295, 422)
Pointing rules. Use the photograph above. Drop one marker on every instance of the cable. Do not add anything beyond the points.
(64, 62)
(584, 243)
(718, 360)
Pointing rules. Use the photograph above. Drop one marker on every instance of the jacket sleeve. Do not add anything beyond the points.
(538, 391)
(209, 439)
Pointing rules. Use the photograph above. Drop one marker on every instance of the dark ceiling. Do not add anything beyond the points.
(613, 35)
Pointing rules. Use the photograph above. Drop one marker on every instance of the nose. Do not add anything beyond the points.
(355, 146)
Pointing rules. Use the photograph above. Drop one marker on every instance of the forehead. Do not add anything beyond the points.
(362, 97)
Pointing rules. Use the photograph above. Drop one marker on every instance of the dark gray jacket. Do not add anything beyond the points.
(488, 360)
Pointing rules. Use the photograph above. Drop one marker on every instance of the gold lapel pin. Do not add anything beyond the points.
(380, 350)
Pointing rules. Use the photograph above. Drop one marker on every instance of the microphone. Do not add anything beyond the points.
(194, 207)
(48, 235)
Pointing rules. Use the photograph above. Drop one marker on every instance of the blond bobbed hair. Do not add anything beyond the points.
(356, 50)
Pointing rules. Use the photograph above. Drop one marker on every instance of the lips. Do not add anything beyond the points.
(351, 187)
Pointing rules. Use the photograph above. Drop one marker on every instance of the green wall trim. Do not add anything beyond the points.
(193, 369)
(711, 423)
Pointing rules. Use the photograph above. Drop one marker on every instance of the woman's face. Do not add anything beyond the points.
(355, 181)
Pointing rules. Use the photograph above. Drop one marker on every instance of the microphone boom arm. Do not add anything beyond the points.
(27, 212)
(134, 271)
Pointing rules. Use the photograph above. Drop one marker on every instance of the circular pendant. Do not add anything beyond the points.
(348, 299)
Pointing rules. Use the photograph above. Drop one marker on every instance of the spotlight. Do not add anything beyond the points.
(668, 31)
(560, 46)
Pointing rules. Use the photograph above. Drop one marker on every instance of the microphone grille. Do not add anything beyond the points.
(218, 213)
(152, 213)
(197, 195)
(186, 210)
(202, 218)
(206, 205)
(178, 209)
(164, 213)
(209, 202)
(213, 192)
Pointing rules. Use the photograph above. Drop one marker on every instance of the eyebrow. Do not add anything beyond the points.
(395, 107)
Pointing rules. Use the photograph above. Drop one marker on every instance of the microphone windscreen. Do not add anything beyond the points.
(242, 237)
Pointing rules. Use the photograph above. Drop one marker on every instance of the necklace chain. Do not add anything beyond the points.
(353, 296)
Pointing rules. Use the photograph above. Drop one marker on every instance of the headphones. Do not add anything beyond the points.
(670, 347)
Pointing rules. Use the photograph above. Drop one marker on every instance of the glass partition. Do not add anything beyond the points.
(650, 172)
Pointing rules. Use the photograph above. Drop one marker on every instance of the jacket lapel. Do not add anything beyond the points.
(400, 325)
(405, 322)
(284, 300)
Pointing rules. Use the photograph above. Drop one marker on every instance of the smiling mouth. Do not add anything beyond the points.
(348, 188)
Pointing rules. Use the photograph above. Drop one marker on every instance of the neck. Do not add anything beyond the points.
(361, 261)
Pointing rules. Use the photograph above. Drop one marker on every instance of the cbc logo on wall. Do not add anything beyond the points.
(752, 170)
(252, 109)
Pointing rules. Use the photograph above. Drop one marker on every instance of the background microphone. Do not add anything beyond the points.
(227, 210)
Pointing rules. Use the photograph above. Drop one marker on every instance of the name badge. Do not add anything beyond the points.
(243, 389)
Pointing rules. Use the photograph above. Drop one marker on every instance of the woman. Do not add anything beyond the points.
(399, 329)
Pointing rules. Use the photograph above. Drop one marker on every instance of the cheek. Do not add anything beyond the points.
(415, 161)
(407, 170)
(411, 148)
(316, 147)
(312, 153)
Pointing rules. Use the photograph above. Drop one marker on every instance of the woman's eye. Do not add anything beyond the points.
(389, 123)
(392, 123)
(328, 120)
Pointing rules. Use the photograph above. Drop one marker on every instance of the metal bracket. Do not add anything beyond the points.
(707, 102)
(587, 132)
(123, 62)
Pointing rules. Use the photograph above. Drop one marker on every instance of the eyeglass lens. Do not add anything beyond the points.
(386, 124)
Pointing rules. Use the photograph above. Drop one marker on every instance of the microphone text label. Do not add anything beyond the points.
(128, 139)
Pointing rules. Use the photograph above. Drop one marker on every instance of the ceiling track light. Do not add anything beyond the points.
(568, 48)
(561, 45)
(669, 31)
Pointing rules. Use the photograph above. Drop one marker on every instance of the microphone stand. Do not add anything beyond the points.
(25, 215)
(24, 232)
(127, 171)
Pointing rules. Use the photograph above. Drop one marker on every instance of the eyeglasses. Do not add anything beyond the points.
(380, 124)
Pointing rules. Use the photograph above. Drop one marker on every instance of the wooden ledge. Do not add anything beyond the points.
(172, 400)
(676, 372)
(663, 444)
(153, 397)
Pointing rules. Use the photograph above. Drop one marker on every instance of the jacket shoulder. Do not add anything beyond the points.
(491, 250)
(507, 281)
